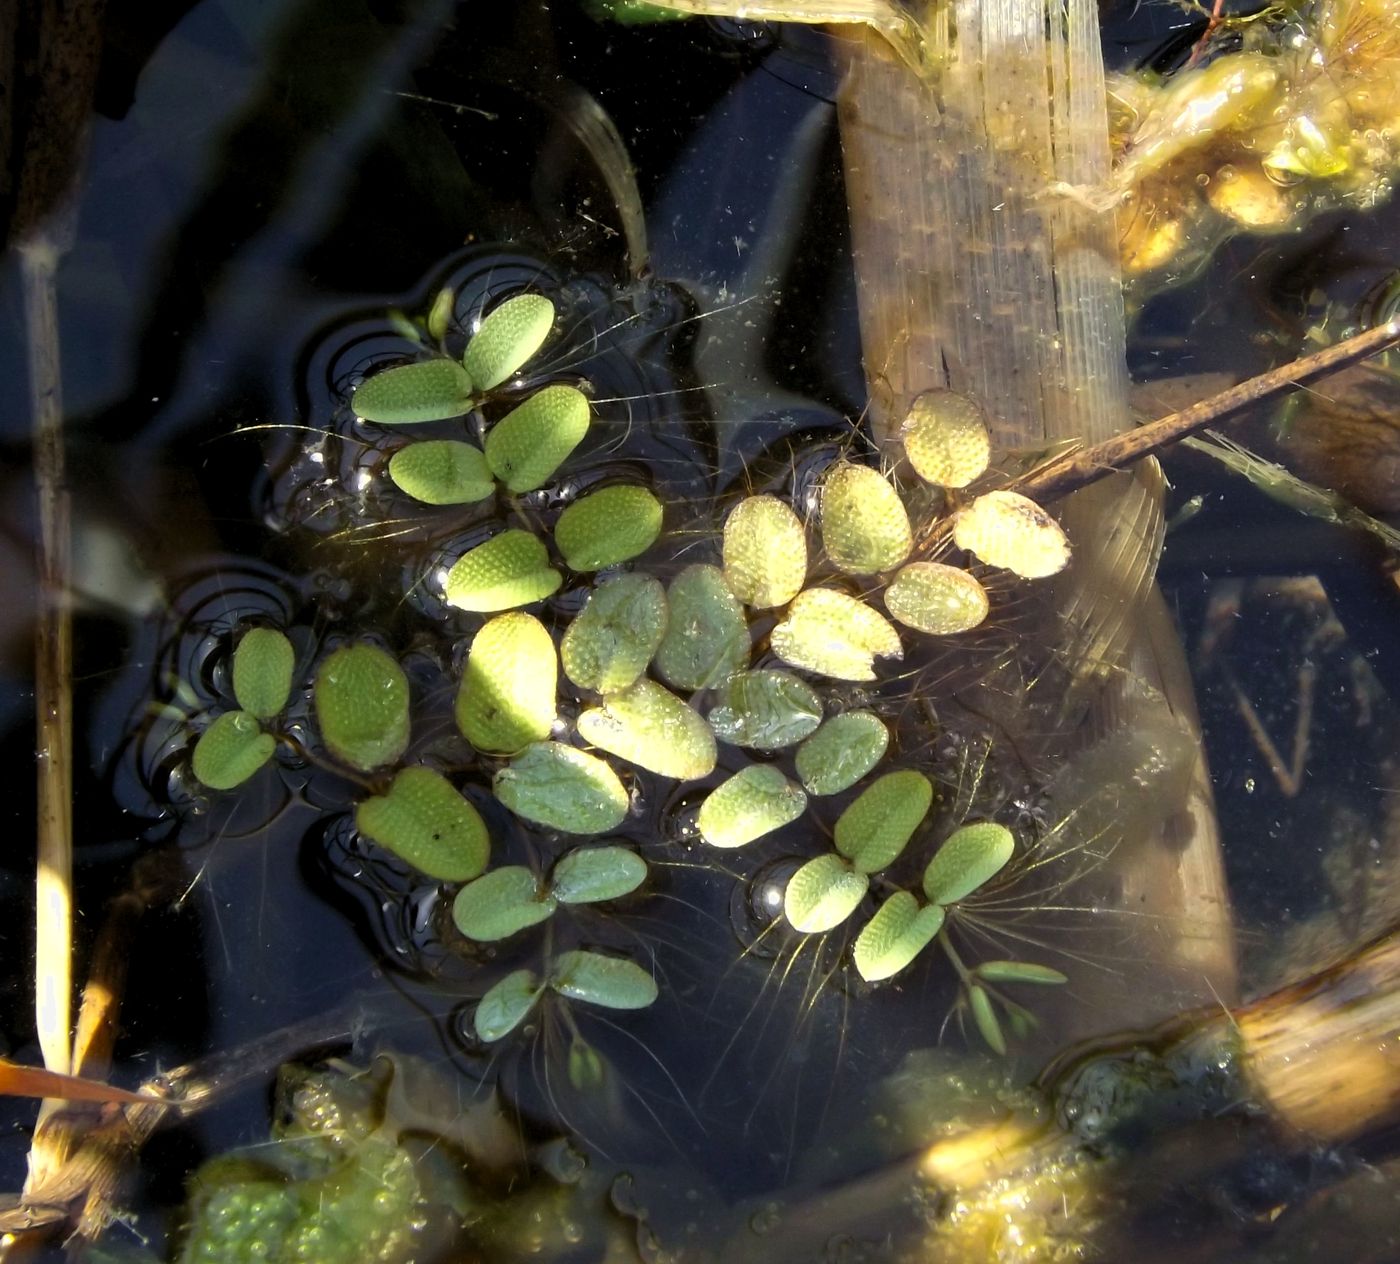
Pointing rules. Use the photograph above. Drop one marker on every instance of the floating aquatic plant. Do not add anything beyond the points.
(611, 525)
(361, 697)
(1009, 530)
(428, 390)
(765, 709)
(833, 634)
(649, 726)
(526, 447)
(946, 439)
(510, 569)
(427, 822)
(566, 789)
(591, 977)
(707, 636)
(841, 752)
(616, 634)
(262, 672)
(507, 338)
(937, 599)
(753, 802)
(231, 750)
(865, 528)
(765, 552)
(509, 685)
(442, 472)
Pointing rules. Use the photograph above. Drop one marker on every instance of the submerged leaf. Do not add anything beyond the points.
(873, 831)
(938, 599)
(841, 752)
(899, 932)
(765, 552)
(440, 313)
(507, 338)
(755, 801)
(531, 442)
(986, 1018)
(589, 874)
(500, 903)
(614, 637)
(510, 569)
(429, 390)
(262, 672)
(707, 637)
(612, 982)
(507, 698)
(823, 894)
(427, 822)
(649, 726)
(946, 438)
(865, 528)
(361, 698)
(1009, 530)
(566, 789)
(611, 525)
(231, 750)
(442, 472)
(832, 633)
(766, 710)
(1019, 972)
(969, 857)
(506, 1005)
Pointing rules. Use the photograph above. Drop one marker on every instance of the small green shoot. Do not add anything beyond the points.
(985, 1016)
(1019, 972)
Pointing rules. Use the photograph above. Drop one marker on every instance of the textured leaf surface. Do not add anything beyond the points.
(430, 390)
(865, 528)
(442, 472)
(946, 438)
(589, 874)
(528, 444)
(262, 672)
(361, 699)
(899, 932)
(873, 831)
(765, 552)
(707, 637)
(616, 634)
(823, 894)
(428, 823)
(833, 634)
(841, 752)
(766, 710)
(500, 903)
(507, 338)
(231, 750)
(969, 857)
(612, 982)
(649, 726)
(755, 801)
(510, 569)
(1009, 530)
(611, 525)
(508, 694)
(567, 789)
(938, 599)
(506, 1005)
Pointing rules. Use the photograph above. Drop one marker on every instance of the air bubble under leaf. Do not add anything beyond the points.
(649, 726)
(946, 439)
(900, 930)
(507, 338)
(528, 444)
(865, 528)
(361, 697)
(507, 698)
(873, 831)
(506, 1005)
(612, 982)
(510, 569)
(430, 390)
(428, 823)
(566, 789)
(589, 874)
(614, 637)
(969, 857)
(231, 750)
(707, 637)
(442, 472)
(765, 552)
(841, 752)
(1009, 530)
(938, 599)
(262, 672)
(833, 634)
(755, 801)
(823, 894)
(500, 903)
(766, 710)
(1019, 972)
(985, 1016)
(611, 525)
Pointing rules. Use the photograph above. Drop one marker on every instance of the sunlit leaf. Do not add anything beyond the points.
(766, 710)
(841, 752)
(765, 552)
(865, 528)
(984, 1015)
(707, 637)
(231, 750)
(506, 1005)
(427, 822)
(507, 338)
(428, 390)
(510, 569)
(507, 698)
(614, 637)
(823, 894)
(873, 831)
(900, 930)
(361, 698)
(612, 982)
(833, 634)
(931, 597)
(500, 903)
(1019, 972)
(262, 672)
(589, 874)
(969, 857)
(531, 442)
(649, 726)
(755, 801)
(566, 789)
(946, 438)
(442, 472)
(611, 525)
(1009, 530)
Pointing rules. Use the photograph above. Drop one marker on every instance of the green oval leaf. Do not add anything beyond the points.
(765, 552)
(833, 634)
(899, 932)
(531, 442)
(648, 726)
(614, 637)
(507, 698)
(611, 525)
(429, 390)
(500, 903)
(612, 982)
(938, 599)
(231, 750)
(440, 313)
(823, 894)
(510, 569)
(766, 710)
(427, 822)
(873, 831)
(946, 438)
(507, 338)
(753, 802)
(563, 788)
(589, 874)
(1009, 530)
(506, 1005)
(361, 699)
(1019, 972)
(707, 637)
(986, 1018)
(968, 858)
(262, 672)
(441, 472)
(865, 528)
(841, 752)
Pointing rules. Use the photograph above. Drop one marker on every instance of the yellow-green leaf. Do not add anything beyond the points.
(1020, 972)
(765, 709)
(611, 525)
(986, 1018)
(614, 637)
(508, 695)
(231, 750)
(649, 726)
(765, 552)
(531, 442)
(946, 438)
(899, 932)
(841, 752)
(507, 338)
(970, 857)
(1009, 530)
(262, 672)
(428, 823)
(823, 894)
(707, 636)
(755, 801)
(361, 697)
(563, 788)
(833, 634)
(429, 390)
(873, 831)
(441, 472)
(938, 599)
(510, 569)
(865, 528)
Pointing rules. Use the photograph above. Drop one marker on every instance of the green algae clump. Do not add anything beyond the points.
(361, 697)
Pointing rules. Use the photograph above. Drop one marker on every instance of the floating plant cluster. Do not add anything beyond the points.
(669, 661)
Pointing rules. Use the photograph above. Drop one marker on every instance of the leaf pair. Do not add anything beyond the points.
(591, 977)
(235, 746)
